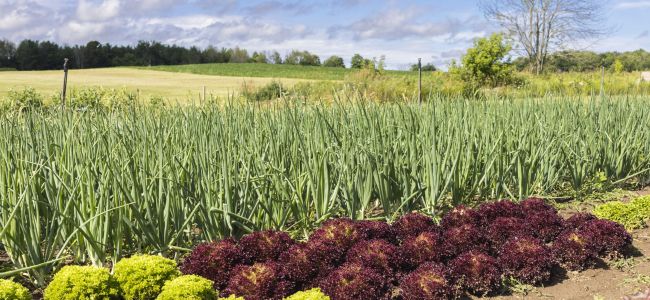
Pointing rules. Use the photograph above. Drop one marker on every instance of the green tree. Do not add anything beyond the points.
(259, 57)
(618, 66)
(429, 67)
(334, 62)
(357, 61)
(485, 64)
(276, 58)
(303, 58)
(7, 54)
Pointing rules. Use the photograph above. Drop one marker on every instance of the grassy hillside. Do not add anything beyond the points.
(264, 70)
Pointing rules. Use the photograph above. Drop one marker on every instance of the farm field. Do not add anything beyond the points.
(174, 87)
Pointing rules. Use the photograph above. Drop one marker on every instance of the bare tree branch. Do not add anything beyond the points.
(540, 26)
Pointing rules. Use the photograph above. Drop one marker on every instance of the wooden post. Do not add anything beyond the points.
(602, 83)
(420, 80)
(65, 81)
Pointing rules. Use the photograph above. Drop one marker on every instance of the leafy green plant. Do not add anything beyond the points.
(141, 277)
(313, 294)
(632, 215)
(485, 64)
(25, 100)
(190, 287)
(82, 282)
(13, 291)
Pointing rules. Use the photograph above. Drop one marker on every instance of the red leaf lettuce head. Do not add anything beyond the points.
(297, 264)
(534, 205)
(263, 246)
(429, 281)
(373, 230)
(213, 261)
(459, 216)
(354, 281)
(526, 259)
(477, 272)
(609, 238)
(574, 250)
(490, 211)
(257, 282)
(575, 221)
(426, 247)
(462, 239)
(505, 228)
(375, 254)
(545, 225)
(340, 233)
(412, 224)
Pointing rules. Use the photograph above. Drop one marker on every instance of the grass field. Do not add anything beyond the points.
(172, 86)
(265, 70)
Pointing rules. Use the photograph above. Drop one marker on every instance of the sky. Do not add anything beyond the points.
(435, 30)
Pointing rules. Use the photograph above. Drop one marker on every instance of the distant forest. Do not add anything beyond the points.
(45, 55)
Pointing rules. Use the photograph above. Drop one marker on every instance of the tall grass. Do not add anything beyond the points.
(100, 184)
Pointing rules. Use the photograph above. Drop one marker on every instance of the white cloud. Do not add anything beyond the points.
(90, 11)
(633, 4)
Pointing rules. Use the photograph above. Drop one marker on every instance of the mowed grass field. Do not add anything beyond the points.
(267, 71)
(150, 82)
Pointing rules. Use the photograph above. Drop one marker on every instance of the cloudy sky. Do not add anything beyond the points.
(436, 30)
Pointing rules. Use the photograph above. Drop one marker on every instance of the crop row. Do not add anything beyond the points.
(100, 185)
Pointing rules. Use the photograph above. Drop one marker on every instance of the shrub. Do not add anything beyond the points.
(527, 260)
(485, 64)
(412, 224)
(213, 261)
(25, 100)
(459, 216)
(188, 287)
(263, 246)
(257, 282)
(270, 91)
(375, 254)
(353, 281)
(82, 282)
(429, 281)
(608, 238)
(574, 250)
(13, 291)
(313, 294)
(476, 271)
(142, 277)
(632, 215)
(426, 247)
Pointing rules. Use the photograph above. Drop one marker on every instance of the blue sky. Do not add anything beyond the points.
(435, 30)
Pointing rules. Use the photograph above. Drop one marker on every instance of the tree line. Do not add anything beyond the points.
(585, 61)
(46, 55)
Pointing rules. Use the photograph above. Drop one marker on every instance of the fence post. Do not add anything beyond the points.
(65, 81)
(420, 80)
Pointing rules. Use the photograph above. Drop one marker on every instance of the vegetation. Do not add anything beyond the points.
(632, 215)
(142, 277)
(484, 65)
(188, 287)
(76, 282)
(13, 291)
(313, 294)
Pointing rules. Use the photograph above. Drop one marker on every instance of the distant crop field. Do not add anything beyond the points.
(264, 70)
(171, 86)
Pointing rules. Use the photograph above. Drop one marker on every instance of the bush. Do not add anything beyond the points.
(25, 100)
(484, 64)
(13, 291)
(632, 215)
(141, 277)
(82, 282)
(188, 287)
(270, 91)
(313, 294)
(213, 261)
